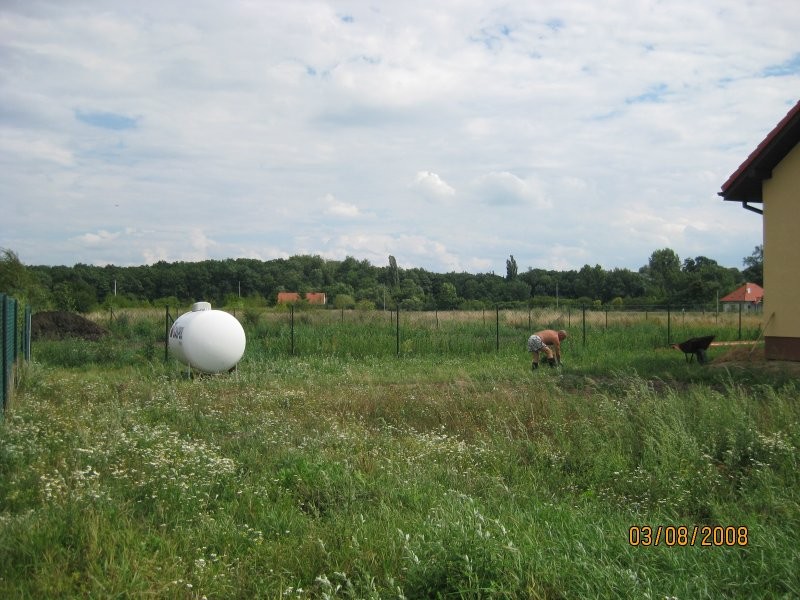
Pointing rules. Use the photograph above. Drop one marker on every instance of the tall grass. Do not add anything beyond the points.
(433, 474)
(355, 333)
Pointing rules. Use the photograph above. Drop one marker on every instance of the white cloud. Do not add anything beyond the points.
(409, 250)
(505, 188)
(431, 186)
(101, 238)
(337, 208)
(200, 245)
(565, 134)
(33, 147)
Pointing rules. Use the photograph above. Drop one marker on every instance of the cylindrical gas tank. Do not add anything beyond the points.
(208, 340)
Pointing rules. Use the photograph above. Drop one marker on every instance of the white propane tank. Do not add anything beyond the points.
(208, 340)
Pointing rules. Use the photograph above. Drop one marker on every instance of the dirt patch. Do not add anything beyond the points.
(742, 354)
(57, 325)
(750, 356)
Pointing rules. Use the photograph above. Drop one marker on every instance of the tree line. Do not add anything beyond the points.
(348, 283)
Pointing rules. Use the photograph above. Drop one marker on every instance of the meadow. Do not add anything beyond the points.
(342, 460)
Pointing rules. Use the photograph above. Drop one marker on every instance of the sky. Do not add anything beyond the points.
(448, 134)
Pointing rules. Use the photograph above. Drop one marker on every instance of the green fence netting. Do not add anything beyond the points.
(16, 343)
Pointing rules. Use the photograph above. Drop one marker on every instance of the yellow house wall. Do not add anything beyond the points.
(781, 195)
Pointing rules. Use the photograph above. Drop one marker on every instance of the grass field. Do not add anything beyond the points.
(447, 471)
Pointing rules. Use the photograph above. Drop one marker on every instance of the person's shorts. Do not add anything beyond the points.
(535, 344)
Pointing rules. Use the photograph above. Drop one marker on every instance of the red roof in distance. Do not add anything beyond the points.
(749, 292)
(310, 297)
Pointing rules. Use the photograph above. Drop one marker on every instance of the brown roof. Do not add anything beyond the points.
(310, 297)
(749, 292)
(745, 183)
(315, 297)
(288, 297)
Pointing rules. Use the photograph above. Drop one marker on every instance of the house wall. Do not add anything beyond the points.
(316, 297)
(746, 307)
(782, 259)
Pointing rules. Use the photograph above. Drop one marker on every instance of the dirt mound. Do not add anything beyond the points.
(57, 325)
(751, 356)
(749, 353)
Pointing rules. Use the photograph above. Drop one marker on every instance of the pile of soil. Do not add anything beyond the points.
(742, 354)
(57, 325)
(750, 356)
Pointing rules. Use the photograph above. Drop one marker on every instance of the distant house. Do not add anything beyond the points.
(316, 298)
(747, 298)
(295, 297)
(770, 177)
(288, 297)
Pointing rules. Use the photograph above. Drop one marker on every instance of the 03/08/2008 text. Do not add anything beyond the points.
(688, 535)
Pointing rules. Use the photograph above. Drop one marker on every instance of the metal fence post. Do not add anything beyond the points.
(497, 329)
(16, 329)
(26, 351)
(166, 333)
(397, 334)
(669, 324)
(3, 358)
(740, 321)
(584, 325)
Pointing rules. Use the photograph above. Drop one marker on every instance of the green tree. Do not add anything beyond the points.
(14, 276)
(590, 281)
(542, 282)
(394, 272)
(703, 279)
(447, 298)
(18, 281)
(511, 268)
(472, 289)
(517, 290)
(663, 273)
(754, 266)
(339, 289)
(63, 297)
(623, 283)
(410, 295)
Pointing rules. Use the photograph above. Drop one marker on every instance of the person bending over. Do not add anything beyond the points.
(549, 342)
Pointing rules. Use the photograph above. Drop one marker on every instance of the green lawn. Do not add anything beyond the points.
(441, 472)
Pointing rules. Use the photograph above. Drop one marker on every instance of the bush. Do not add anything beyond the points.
(344, 301)
(365, 305)
(251, 316)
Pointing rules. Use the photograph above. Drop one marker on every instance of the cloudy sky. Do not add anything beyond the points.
(449, 134)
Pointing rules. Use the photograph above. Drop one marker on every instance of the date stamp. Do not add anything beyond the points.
(688, 535)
